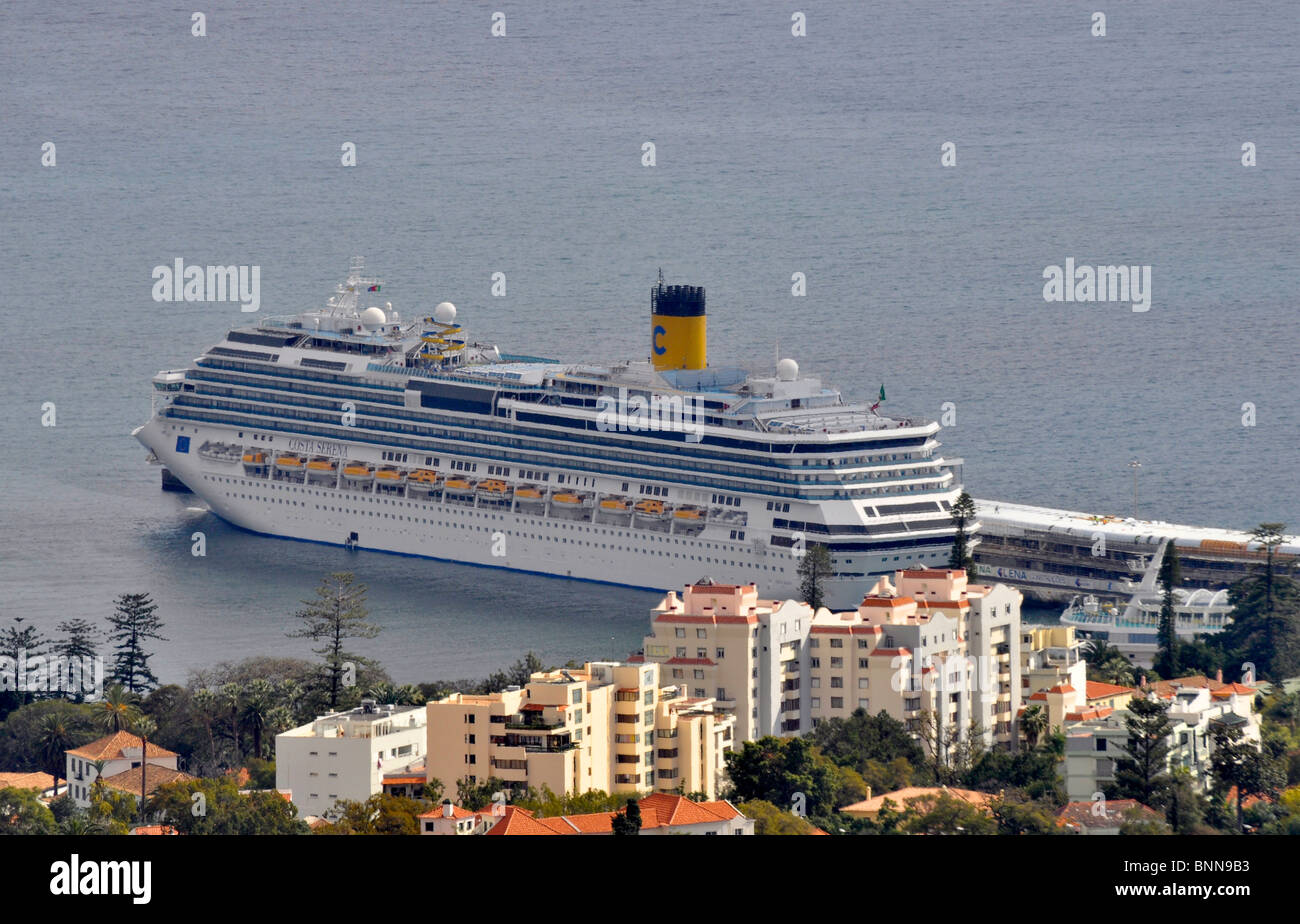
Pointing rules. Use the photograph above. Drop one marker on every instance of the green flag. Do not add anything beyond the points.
(882, 392)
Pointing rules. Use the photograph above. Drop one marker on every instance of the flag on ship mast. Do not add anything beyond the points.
(880, 399)
(373, 289)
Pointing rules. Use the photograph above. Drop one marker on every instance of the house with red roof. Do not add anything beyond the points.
(661, 813)
(115, 755)
(1104, 816)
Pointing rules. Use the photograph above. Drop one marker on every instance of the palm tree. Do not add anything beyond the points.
(204, 702)
(382, 693)
(228, 696)
(55, 740)
(259, 696)
(145, 727)
(117, 710)
(1033, 723)
(408, 694)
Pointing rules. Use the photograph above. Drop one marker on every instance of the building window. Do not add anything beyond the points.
(680, 632)
(837, 683)
(837, 702)
(864, 683)
(837, 643)
(816, 702)
(701, 633)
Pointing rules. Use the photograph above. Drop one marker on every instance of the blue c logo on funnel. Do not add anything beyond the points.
(654, 341)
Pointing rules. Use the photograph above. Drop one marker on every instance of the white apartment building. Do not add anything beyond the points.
(1094, 746)
(115, 754)
(929, 643)
(344, 755)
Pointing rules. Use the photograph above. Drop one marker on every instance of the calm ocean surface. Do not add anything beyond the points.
(522, 155)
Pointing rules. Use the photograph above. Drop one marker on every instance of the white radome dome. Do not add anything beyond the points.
(787, 370)
(373, 318)
(444, 313)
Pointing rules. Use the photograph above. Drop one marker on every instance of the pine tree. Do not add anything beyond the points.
(814, 568)
(628, 821)
(134, 622)
(77, 645)
(19, 642)
(1167, 660)
(337, 614)
(963, 511)
(1143, 772)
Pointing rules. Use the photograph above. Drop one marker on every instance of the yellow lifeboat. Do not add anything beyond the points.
(688, 513)
(289, 461)
(459, 484)
(322, 465)
(390, 474)
(528, 492)
(567, 498)
(255, 458)
(651, 507)
(424, 476)
(493, 486)
(358, 471)
(617, 504)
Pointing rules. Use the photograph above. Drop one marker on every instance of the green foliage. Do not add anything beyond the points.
(769, 819)
(261, 773)
(1141, 773)
(1016, 815)
(478, 796)
(944, 814)
(22, 733)
(337, 615)
(1167, 660)
(790, 772)
(1265, 627)
(220, 809)
(547, 804)
(628, 821)
(1032, 771)
(863, 739)
(133, 624)
(21, 812)
(963, 511)
(1237, 762)
(1107, 664)
(380, 814)
(814, 567)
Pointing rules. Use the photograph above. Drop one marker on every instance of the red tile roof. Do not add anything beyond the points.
(154, 776)
(1095, 690)
(111, 747)
(519, 821)
(1108, 814)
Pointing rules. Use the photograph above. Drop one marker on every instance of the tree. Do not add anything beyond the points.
(943, 814)
(1033, 722)
(1237, 763)
(1268, 535)
(21, 642)
(77, 645)
(769, 819)
(1108, 664)
(862, 739)
(963, 511)
(134, 622)
(1166, 660)
(1265, 627)
(628, 821)
(258, 701)
(1018, 816)
(337, 614)
(57, 737)
(1142, 773)
(786, 772)
(380, 814)
(222, 809)
(145, 727)
(814, 567)
(21, 812)
(117, 709)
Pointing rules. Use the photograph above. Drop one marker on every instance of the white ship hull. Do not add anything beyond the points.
(478, 534)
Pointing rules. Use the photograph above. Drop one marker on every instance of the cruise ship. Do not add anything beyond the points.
(1134, 628)
(352, 425)
(1053, 555)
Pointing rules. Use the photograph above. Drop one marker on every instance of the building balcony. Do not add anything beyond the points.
(534, 725)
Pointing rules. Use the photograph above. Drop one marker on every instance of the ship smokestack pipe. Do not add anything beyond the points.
(678, 327)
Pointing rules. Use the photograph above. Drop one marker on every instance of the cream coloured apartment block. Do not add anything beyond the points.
(609, 726)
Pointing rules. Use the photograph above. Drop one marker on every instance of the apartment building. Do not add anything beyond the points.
(345, 755)
(1050, 656)
(927, 643)
(1196, 705)
(748, 654)
(610, 726)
